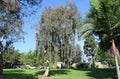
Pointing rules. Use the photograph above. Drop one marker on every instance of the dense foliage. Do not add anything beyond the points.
(105, 17)
(11, 20)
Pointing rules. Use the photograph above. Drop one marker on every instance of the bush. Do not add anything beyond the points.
(83, 65)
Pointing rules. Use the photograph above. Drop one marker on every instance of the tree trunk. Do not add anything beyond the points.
(1, 66)
(115, 52)
(93, 62)
(117, 66)
(1, 59)
(46, 74)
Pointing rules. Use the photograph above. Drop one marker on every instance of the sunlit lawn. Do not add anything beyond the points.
(61, 74)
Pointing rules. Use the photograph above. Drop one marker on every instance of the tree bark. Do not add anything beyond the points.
(1, 66)
(117, 66)
(115, 52)
(46, 74)
(1, 59)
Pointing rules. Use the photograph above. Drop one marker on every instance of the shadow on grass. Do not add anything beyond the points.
(19, 76)
(101, 73)
(54, 72)
(13, 71)
(92, 73)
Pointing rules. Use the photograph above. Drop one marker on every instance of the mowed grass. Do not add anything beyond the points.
(61, 74)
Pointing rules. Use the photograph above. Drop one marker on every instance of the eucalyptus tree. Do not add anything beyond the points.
(57, 32)
(77, 54)
(104, 21)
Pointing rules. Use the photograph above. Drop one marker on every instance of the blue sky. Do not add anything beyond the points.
(30, 42)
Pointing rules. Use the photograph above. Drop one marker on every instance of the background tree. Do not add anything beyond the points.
(11, 58)
(105, 57)
(77, 55)
(29, 58)
(23, 58)
(90, 47)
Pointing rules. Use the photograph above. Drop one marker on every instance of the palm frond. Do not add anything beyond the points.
(85, 30)
(86, 27)
(117, 25)
(85, 34)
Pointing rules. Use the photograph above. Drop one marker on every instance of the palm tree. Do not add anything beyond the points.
(103, 21)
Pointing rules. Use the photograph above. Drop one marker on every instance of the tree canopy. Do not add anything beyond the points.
(105, 17)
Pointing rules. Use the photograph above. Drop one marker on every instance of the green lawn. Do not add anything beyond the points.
(61, 74)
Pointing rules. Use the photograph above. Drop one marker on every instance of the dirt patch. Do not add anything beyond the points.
(42, 77)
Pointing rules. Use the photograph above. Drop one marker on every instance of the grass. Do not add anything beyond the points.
(61, 74)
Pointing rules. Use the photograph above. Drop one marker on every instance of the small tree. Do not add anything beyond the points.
(90, 47)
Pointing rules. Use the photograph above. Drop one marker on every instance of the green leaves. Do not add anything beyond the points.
(95, 4)
(90, 46)
(104, 15)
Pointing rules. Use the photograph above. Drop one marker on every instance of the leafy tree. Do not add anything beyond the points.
(10, 31)
(28, 58)
(11, 21)
(90, 47)
(11, 58)
(105, 57)
(22, 58)
(31, 58)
